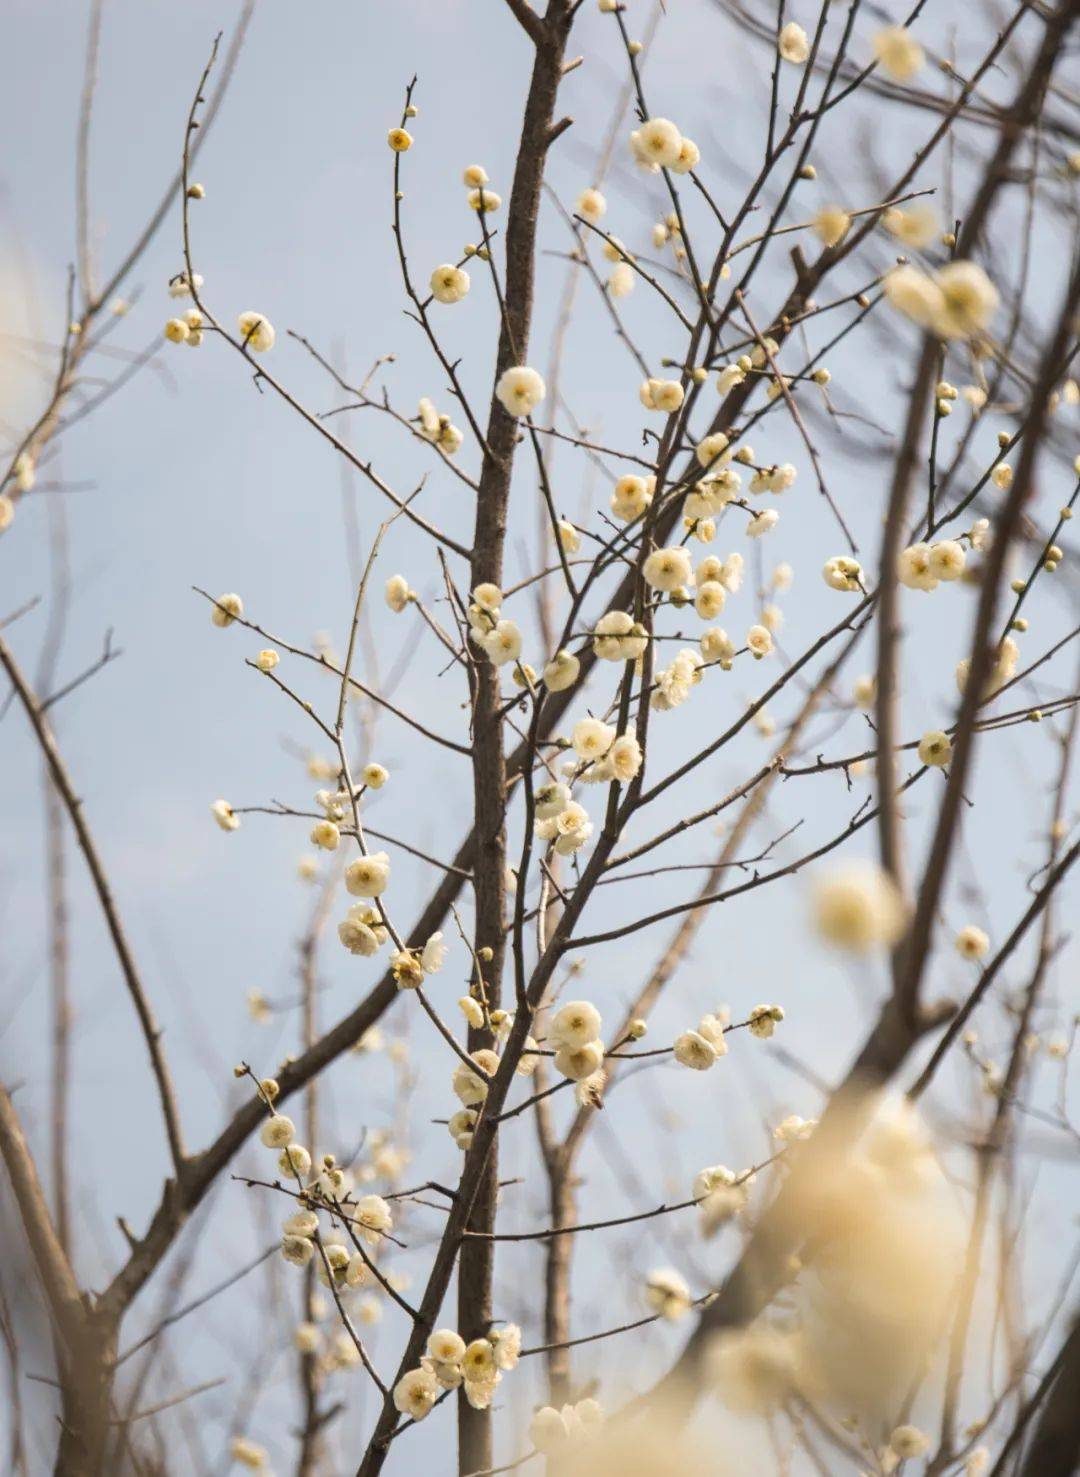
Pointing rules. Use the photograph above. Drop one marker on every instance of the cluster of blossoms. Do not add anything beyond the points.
(23, 476)
(574, 1033)
(369, 1217)
(844, 573)
(451, 1364)
(793, 1129)
(438, 428)
(591, 206)
(470, 1086)
(605, 755)
(1003, 670)
(701, 1049)
(480, 198)
(617, 637)
(923, 566)
(558, 1432)
(410, 968)
(674, 682)
(956, 302)
(560, 820)
(721, 1196)
(335, 804)
(658, 144)
(499, 639)
(665, 396)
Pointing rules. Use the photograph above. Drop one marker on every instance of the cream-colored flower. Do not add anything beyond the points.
(898, 53)
(297, 1250)
(592, 739)
(368, 876)
(579, 1062)
(754, 1369)
(576, 1024)
(763, 523)
(935, 749)
(625, 757)
(591, 205)
(764, 1019)
(618, 637)
(372, 1214)
(397, 593)
(561, 672)
(667, 1293)
(792, 44)
(248, 1454)
(506, 1344)
(433, 954)
(277, 1131)
(469, 1087)
(446, 1346)
(630, 497)
(621, 280)
(357, 934)
(294, 1160)
(225, 816)
(691, 1049)
(225, 610)
(915, 226)
(520, 390)
(689, 157)
(971, 300)
(665, 396)
(709, 600)
(832, 224)
(842, 573)
(914, 294)
(913, 568)
(656, 144)
(502, 643)
(909, 1441)
(971, 942)
(759, 641)
(326, 834)
(858, 907)
(415, 1393)
(947, 559)
(483, 199)
(793, 1129)
(668, 569)
(449, 284)
(256, 332)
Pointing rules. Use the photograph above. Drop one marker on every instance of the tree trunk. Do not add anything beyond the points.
(477, 1256)
(86, 1402)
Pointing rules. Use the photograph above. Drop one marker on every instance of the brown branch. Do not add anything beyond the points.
(74, 807)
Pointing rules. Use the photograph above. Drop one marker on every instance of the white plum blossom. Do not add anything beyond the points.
(520, 390)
